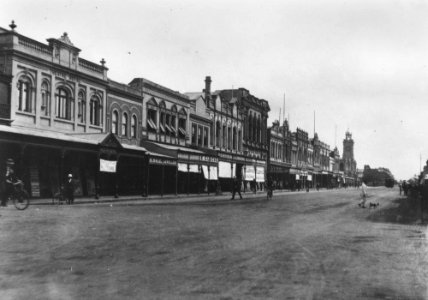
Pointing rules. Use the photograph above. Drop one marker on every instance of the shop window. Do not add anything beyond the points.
(64, 104)
(46, 99)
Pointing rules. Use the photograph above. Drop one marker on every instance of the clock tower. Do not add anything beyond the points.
(349, 164)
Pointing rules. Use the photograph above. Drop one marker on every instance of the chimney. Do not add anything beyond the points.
(207, 89)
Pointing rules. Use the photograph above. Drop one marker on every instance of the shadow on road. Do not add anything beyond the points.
(401, 210)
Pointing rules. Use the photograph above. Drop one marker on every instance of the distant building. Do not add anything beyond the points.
(376, 177)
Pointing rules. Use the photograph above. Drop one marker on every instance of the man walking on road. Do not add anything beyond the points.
(363, 195)
(236, 188)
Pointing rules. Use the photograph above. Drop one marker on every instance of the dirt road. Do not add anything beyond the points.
(316, 245)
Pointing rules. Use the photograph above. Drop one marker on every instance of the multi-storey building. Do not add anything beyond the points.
(238, 134)
(279, 160)
(53, 115)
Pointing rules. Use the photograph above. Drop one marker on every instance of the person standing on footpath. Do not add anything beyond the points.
(236, 188)
(69, 189)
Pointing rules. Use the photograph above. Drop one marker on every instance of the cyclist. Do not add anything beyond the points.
(10, 181)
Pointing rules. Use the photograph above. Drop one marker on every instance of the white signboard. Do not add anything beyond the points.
(193, 168)
(210, 174)
(225, 169)
(260, 174)
(250, 173)
(182, 167)
(108, 166)
(309, 177)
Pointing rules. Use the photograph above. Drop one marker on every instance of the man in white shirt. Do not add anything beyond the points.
(363, 195)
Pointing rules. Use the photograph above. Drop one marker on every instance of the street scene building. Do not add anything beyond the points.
(61, 114)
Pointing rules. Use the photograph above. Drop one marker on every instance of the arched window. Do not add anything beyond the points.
(125, 124)
(64, 104)
(24, 94)
(134, 126)
(114, 120)
(81, 107)
(95, 111)
(46, 99)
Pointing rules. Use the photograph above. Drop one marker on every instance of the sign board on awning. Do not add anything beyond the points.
(108, 166)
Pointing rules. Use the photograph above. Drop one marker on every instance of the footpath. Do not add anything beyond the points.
(175, 199)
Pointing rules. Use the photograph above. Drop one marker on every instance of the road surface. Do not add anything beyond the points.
(316, 245)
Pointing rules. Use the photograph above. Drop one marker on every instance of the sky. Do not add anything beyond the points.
(355, 65)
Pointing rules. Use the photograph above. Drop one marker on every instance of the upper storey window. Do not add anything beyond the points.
(64, 104)
(134, 126)
(95, 111)
(81, 111)
(24, 95)
(114, 120)
(46, 99)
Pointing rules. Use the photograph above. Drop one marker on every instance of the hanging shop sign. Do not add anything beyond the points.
(108, 166)
(297, 177)
(309, 178)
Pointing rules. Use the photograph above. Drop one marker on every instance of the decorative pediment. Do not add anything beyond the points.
(111, 141)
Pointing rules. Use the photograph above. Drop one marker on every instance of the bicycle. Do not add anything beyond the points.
(19, 196)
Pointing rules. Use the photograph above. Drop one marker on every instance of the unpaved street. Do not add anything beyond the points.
(316, 245)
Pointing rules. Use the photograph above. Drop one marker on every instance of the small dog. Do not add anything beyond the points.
(374, 205)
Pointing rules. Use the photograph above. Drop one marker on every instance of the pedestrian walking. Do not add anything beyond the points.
(69, 189)
(400, 187)
(236, 188)
(363, 195)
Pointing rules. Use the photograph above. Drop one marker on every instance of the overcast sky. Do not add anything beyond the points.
(358, 64)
